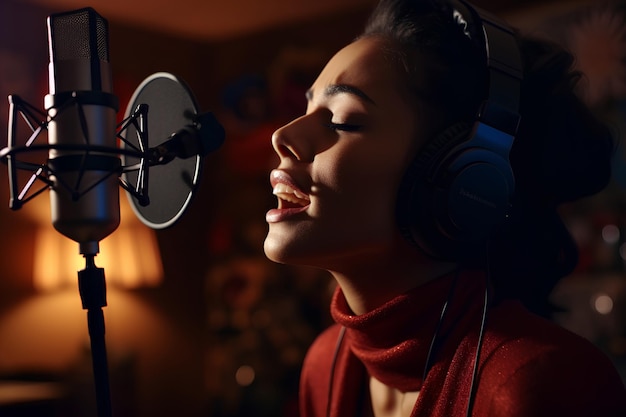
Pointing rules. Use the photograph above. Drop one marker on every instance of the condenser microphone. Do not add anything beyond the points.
(82, 111)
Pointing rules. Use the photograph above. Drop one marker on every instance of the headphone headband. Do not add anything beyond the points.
(504, 65)
(459, 188)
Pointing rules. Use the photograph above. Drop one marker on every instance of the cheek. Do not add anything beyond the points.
(363, 182)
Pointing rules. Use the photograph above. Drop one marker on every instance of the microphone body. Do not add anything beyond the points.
(81, 124)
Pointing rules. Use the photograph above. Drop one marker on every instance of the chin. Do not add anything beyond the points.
(283, 251)
(283, 245)
(274, 250)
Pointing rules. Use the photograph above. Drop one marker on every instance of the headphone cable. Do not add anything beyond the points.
(434, 340)
(483, 321)
(474, 385)
(342, 333)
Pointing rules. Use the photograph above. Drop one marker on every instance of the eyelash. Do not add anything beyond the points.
(344, 127)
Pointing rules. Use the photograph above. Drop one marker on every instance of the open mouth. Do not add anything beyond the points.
(291, 200)
(289, 197)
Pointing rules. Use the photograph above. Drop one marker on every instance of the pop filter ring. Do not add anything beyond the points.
(172, 186)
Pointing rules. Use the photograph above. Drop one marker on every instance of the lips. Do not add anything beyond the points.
(291, 199)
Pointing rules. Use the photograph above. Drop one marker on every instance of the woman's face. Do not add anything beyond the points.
(341, 163)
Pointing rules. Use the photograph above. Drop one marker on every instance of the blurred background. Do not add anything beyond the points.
(198, 322)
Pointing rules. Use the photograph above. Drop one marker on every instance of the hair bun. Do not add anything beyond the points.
(563, 152)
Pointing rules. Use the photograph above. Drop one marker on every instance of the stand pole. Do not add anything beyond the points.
(92, 287)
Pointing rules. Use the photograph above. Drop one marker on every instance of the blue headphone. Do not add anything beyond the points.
(458, 190)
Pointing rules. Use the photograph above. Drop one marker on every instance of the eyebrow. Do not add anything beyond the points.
(336, 89)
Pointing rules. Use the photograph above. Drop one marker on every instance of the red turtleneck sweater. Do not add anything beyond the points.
(529, 366)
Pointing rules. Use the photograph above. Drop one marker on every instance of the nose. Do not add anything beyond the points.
(292, 141)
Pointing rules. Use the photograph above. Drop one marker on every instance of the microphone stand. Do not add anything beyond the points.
(92, 287)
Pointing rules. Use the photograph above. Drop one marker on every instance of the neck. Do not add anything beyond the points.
(375, 283)
(390, 402)
(393, 341)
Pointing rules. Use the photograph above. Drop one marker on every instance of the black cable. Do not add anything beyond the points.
(342, 332)
(442, 315)
(483, 321)
(470, 401)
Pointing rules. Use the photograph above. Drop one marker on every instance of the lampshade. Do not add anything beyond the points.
(130, 256)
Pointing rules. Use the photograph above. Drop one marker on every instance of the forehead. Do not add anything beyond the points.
(367, 64)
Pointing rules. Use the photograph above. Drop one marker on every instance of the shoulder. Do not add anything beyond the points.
(316, 372)
(319, 360)
(540, 368)
(321, 351)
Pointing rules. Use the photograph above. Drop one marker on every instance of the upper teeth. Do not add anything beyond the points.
(290, 194)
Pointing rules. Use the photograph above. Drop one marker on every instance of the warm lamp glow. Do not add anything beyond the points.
(129, 256)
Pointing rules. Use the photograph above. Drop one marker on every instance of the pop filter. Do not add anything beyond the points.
(170, 106)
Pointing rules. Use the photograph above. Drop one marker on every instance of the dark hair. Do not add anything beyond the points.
(425, 33)
(561, 153)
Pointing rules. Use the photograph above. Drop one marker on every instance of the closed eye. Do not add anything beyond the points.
(345, 127)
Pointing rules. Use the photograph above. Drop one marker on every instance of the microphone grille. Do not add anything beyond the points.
(80, 34)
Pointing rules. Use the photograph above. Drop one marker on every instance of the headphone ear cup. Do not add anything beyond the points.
(412, 185)
(454, 194)
(429, 157)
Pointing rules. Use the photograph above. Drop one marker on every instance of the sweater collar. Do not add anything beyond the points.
(393, 340)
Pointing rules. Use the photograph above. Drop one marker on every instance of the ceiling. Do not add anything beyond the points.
(213, 20)
(209, 19)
